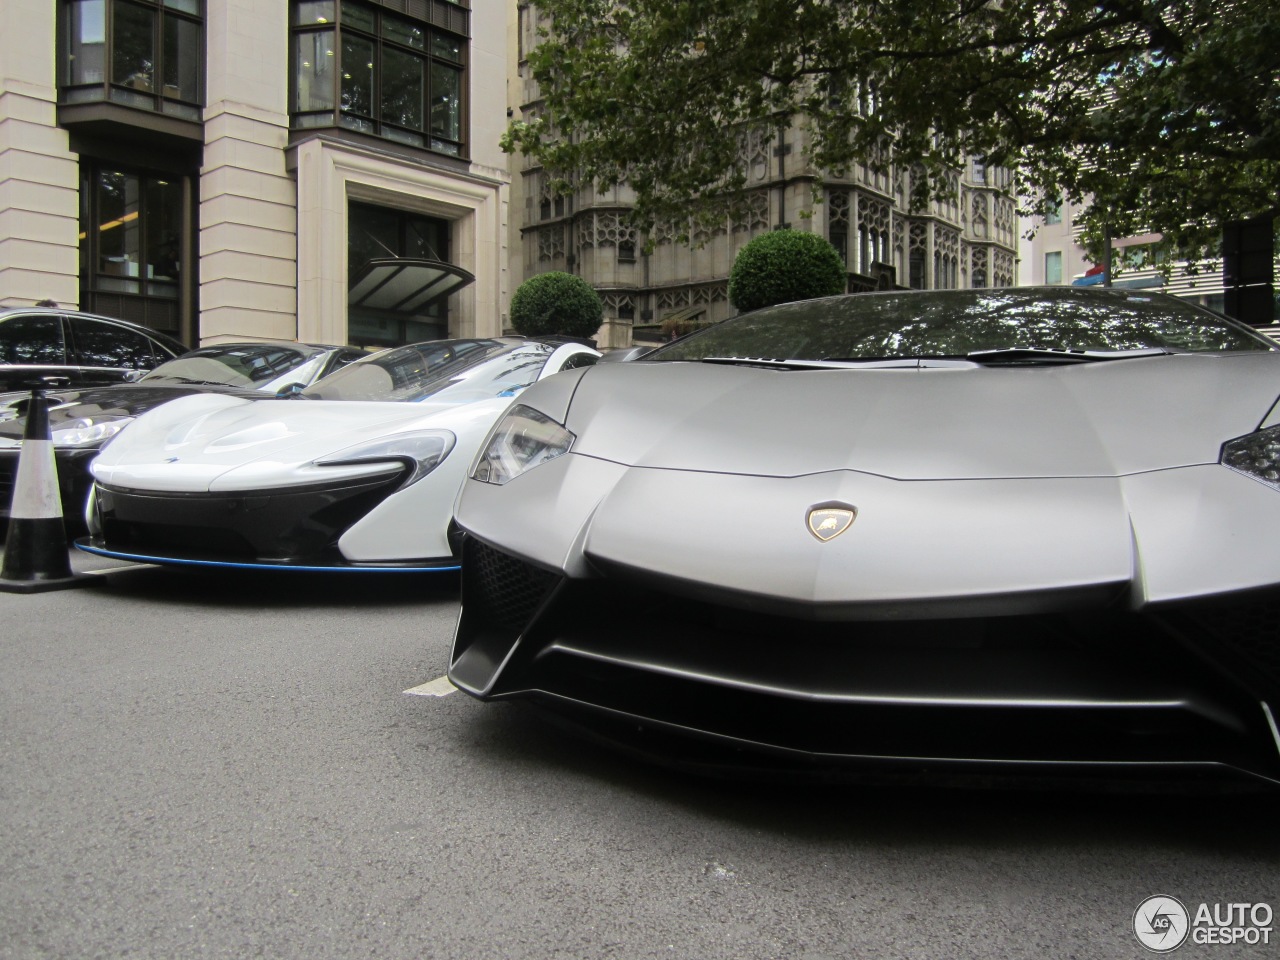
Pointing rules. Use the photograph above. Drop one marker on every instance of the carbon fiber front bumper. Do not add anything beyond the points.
(1089, 687)
(299, 525)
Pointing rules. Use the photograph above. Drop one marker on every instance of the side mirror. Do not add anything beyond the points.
(290, 390)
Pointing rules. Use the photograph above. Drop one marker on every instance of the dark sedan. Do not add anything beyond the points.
(80, 349)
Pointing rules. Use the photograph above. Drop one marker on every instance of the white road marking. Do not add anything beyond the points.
(439, 687)
(132, 566)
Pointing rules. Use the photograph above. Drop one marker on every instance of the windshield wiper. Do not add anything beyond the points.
(1051, 356)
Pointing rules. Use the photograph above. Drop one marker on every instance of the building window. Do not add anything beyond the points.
(131, 227)
(873, 248)
(360, 66)
(915, 266)
(838, 235)
(1053, 267)
(1053, 215)
(146, 54)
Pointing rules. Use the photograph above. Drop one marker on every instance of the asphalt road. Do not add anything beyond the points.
(207, 766)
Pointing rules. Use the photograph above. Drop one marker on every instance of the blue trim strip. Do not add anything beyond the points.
(144, 558)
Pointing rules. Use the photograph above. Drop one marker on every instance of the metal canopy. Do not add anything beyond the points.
(405, 285)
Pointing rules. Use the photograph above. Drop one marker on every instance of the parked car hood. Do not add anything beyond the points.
(1090, 419)
(215, 442)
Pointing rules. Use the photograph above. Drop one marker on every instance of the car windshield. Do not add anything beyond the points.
(258, 366)
(959, 323)
(445, 371)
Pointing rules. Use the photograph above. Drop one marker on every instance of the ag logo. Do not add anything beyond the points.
(828, 520)
(1161, 923)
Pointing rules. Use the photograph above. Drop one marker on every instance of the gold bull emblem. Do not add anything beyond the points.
(827, 523)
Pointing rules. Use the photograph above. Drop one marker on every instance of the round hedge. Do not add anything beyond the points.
(556, 303)
(785, 265)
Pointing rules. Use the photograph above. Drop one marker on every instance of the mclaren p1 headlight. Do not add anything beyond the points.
(88, 431)
(420, 452)
(1255, 455)
(522, 440)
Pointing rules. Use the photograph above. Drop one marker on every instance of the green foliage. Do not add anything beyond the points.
(556, 303)
(1166, 113)
(782, 266)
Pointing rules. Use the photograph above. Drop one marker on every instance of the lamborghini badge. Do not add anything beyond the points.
(827, 522)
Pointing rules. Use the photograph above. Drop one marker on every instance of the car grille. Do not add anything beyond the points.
(1249, 630)
(507, 589)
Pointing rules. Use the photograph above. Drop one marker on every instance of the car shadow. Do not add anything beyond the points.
(927, 812)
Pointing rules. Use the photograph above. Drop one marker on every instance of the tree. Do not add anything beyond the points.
(1165, 112)
(556, 303)
(785, 265)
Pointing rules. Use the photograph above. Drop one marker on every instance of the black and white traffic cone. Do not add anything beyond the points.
(35, 550)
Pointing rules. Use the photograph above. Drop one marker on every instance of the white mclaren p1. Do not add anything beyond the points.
(358, 471)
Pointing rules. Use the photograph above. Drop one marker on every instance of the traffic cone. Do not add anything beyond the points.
(35, 550)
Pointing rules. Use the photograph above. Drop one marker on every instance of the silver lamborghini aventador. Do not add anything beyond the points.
(1024, 529)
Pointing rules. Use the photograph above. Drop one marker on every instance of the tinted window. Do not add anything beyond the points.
(579, 360)
(959, 322)
(107, 345)
(343, 357)
(36, 339)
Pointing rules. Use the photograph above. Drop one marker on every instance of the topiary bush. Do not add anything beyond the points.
(785, 265)
(556, 303)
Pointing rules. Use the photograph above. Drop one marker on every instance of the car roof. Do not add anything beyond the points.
(169, 339)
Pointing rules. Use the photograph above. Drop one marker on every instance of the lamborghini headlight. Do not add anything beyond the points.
(522, 440)
(88, 431)
(1255, 455)
(420, 452)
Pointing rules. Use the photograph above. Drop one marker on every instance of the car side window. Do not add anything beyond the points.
(106, 345)
(342, 357)
(32, 340)
(579, 360)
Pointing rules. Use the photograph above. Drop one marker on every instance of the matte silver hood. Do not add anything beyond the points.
(1077, 420)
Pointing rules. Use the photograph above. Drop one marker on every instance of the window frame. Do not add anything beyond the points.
(431, 55)
(151, 97)
(155, 300)
(1057, 257)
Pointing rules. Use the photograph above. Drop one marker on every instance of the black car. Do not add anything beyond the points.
(81, 349)
(82, 420)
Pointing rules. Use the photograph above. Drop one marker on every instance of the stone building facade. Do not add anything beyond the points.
(231, 168)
